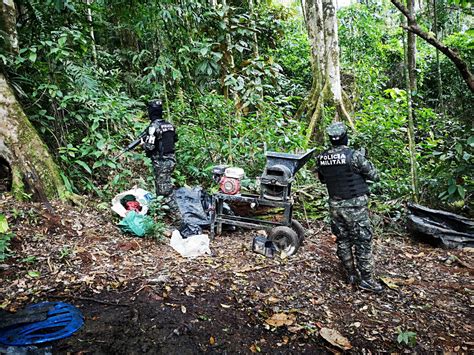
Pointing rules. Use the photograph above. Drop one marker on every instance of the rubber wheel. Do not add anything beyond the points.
(299, 229)
(285, 239)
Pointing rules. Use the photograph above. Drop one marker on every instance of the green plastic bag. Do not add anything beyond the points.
(137, 224)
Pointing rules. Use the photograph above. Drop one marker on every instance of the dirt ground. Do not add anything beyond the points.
(139, 296)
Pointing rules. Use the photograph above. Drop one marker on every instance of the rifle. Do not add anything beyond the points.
(133, 144)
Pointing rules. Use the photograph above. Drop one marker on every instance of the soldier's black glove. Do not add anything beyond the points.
(148, 147)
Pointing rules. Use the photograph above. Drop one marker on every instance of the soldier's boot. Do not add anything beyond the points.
(367, 283)
(351, 273)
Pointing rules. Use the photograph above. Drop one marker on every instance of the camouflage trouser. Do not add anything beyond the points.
(351, 225)
(163, 169)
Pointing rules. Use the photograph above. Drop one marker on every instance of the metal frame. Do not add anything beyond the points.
(218, 218)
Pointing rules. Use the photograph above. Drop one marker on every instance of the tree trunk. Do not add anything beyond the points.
(8, 25)
(333, 72)
(409, 71)
(321, 24)
(230, 68)
(254, 29)
(411, 48)
(91, 30)
(23, 154)
(438, 66)
(313, 104)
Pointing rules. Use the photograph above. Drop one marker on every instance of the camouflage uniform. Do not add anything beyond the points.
(163, 169)
(159, 144)
(350, 221)
(349, 215)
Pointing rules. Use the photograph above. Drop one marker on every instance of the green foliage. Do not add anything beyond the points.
(158, 211)
(462, 3)
(5, 237)
(453, 167)
(457, 99)
(215, 134)
(292, 53)
(64, 253)
(407, 338)
(371, 51)
(381, 128)
(87, 99)
(29, 259)
(83, 106)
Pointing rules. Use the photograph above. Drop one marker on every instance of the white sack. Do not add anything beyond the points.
(190, 247)
(142, 196)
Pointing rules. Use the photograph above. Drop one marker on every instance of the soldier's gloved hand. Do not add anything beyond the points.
(148, 147)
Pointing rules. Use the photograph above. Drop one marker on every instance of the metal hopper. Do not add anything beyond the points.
(275, 182)
(293, 162)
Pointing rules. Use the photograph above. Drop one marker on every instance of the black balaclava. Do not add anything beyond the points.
(343, 140)
(155, 110)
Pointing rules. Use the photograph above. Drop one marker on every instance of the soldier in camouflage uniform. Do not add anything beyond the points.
(345, 172)
(159, 145)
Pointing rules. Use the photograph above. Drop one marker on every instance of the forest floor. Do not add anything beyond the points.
(139, 296)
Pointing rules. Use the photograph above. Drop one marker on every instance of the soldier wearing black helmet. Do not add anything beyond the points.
(345, 172)
(159, 145)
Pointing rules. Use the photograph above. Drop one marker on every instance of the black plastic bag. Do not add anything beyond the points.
(445, 228)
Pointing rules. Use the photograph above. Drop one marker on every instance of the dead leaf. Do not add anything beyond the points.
(212, 340)
(393, 283)
(295, 328)
(316, 302)
(411, 256)
(254, 348)
(154, 297)
(389, 282)
(189, 290)
(126, 246)
(463, 263)
(409, 281)
(273, 299)
(335, 338)
(281, 319)
(239, 274)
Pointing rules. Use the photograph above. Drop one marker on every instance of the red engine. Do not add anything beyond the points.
(229, 185)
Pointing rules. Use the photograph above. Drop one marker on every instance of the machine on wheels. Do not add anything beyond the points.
(287, 233)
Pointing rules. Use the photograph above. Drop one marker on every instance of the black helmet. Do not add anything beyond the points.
(155, 110)
(337, 133)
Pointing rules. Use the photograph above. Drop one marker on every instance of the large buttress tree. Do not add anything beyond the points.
(26, 167)
(326, 90)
